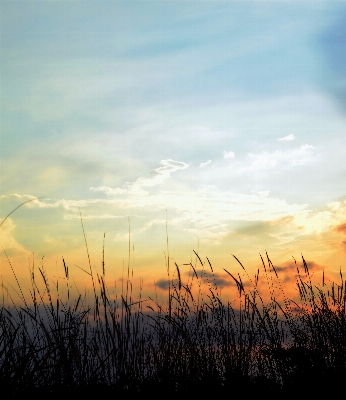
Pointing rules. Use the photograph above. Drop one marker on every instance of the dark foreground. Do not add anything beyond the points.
(299, 386)
(190, 347)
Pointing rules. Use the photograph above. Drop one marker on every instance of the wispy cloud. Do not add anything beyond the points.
(157, 177)
(160, 174)
(288, 137)
(204, 164)
(283, 159)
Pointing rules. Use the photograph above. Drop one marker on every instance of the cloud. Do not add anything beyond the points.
(204, 164)
(157, 177)
(288, 137)
(228, 154)
(37, 202)
(205, 277)
(206, 211)
(318, 221)
(221, 282)
(212, 214)
(259, 228)
(163, 284)
(290, 228)
(291, 267)
(306, 147)
(341, 228)
(7, 239)
(300, 156)
(213, 278)
(160, 174)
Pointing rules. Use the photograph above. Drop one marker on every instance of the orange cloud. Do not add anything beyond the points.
(341, 228)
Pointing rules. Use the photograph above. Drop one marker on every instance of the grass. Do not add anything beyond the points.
(194, 342)
(122, 345)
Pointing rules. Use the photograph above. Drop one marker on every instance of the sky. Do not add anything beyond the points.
(215, 126)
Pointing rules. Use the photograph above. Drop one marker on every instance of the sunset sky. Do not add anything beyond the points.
(223, 120)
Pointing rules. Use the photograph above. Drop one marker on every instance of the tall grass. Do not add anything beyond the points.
(194, 341)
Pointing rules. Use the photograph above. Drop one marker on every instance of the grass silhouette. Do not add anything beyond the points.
(193, 343)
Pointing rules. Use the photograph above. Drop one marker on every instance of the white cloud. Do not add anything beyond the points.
(228, 154)
(282, 159)
(7, 240)
(207, 211)
(321, 220)
(204, 164)
(288, 137)
(157, 177)
(307, 146)
(160, 174)
(36, 202)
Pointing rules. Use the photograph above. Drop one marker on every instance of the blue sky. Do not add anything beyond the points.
(229, 115)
